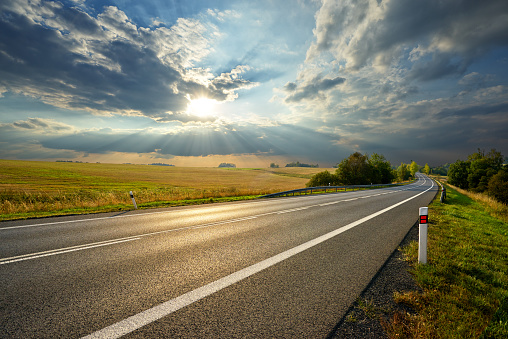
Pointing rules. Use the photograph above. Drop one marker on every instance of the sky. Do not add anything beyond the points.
(201, 82)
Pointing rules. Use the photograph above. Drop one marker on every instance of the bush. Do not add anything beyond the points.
(498, 186)
(323, 179)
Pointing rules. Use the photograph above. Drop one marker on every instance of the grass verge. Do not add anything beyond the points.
(465, 282)
(121, 207)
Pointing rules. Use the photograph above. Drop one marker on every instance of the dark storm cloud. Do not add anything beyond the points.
(106, 64)
(439, 66)
(379, 32)
(440, 131)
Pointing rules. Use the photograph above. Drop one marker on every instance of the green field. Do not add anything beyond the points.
(35, 189)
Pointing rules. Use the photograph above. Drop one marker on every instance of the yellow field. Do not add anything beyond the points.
(32, 188)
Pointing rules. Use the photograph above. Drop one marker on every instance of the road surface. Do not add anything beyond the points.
(285, 267)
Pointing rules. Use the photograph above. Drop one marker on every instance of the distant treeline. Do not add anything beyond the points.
(160, 164)
(298, 164)
(440, 170)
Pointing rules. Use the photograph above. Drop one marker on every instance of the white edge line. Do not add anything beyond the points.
(150, 315)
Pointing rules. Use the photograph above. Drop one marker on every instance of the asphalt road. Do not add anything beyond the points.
(286, 267)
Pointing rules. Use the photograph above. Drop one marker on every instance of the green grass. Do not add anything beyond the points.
(465, 282)
(36, 189)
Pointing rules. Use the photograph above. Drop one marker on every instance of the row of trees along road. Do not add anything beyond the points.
(359, 169)
(481, 173)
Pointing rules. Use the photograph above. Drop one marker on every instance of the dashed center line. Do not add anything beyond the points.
(63, 250)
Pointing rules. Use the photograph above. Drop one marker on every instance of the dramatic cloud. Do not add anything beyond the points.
(380, 32)
(107, 64)
(412, 75)
(305, 80)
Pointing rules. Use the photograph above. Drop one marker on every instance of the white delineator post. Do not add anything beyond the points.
(133, 200)
(422, 241)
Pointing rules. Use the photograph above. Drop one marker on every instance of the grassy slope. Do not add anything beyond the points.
(465, 282)
(31, 189)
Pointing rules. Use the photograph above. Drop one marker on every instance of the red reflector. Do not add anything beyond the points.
(423, 219)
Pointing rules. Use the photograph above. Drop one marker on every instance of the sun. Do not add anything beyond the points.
(202, 107)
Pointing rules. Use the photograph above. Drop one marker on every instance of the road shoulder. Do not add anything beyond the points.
(376, 304)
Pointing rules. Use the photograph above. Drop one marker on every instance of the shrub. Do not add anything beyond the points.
(323, 179)
(498, 186)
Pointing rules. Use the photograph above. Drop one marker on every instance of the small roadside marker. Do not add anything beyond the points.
(422, 240)
(133, 200)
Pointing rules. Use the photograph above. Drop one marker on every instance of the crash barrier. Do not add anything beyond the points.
(443, 191)
(325, 189)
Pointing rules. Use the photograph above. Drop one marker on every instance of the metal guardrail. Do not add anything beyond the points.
(325, 188)
(443, 191)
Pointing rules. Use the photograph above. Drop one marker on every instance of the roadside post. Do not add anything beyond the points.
(443, 193)
(422, 240)
(133, 200)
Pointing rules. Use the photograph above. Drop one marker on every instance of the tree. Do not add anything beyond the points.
(458, 174)
(482, 168)
(274, 165)
(403, 172)
(323, 179)
(357, 169)
(413, 168)
(226, 165)
(426, 169)
(381, 169)
(354, 170)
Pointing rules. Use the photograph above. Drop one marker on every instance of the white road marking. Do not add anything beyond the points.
(330, 203)
(148, 316)
(37, 255)
(139, 214)
(24, 257)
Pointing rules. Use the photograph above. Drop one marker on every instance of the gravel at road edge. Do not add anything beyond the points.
(363, 319)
